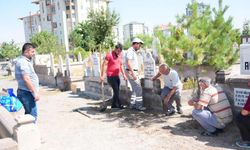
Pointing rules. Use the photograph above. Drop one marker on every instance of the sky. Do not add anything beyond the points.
(149, 12)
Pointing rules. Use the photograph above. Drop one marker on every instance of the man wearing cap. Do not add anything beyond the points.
(132, 67)
(211, 109)
(112, 65)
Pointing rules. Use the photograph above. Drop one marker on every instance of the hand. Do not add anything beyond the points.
(134, 77)
(124, 77)
(153, 78)
(36, 96)
(191, 103)
(101, 78)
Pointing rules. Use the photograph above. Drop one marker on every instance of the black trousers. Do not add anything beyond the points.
(114, 82)
(243, 123)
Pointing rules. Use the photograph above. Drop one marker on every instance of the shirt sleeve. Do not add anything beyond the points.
(247, 105)
(130, 55)
(108, 56)
(175, 79)
(24, 68)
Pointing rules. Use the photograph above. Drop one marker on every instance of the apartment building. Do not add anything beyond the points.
(132, 29)
(61, 16)
(31, 24)
(200, 9)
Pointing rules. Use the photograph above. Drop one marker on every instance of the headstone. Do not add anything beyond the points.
(67, 65)
(79, 57)
(96, 65)
(42, 60)
(245, 59)
(149, 66)
(240, 96)
(60, 63)
(149, 70)
(52, 66)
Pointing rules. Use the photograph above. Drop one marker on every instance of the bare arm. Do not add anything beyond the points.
(30, 86)
(195, 104)
(122, 70)
(104, 68)
(131, 69)
(156, 76)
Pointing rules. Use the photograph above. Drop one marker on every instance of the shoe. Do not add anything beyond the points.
(219, 130)
(243, 144)
(206, 133)
(180, 111)
(121, 107)
(170, 113)
(141, 108)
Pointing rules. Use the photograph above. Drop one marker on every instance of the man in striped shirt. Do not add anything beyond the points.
(211, 109)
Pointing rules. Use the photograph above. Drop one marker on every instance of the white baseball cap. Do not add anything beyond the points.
(137, 40)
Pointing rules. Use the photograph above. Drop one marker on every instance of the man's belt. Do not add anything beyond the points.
(133, 69)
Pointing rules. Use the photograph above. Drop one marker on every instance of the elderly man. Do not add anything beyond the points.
(211, 109)
(132, 68)
(171, 91)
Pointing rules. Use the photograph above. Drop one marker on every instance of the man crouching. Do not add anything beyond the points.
(211, 109)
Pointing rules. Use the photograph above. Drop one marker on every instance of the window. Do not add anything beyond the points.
(48, 18)
(54, 25)
(58, 5)
(67, 7)
(67, 16)
(73, 7)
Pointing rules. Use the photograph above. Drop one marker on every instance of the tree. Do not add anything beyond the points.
(47, 43)
(96, 32)
(203, 38)
(9, 50)
(147, 39)
(246, 28)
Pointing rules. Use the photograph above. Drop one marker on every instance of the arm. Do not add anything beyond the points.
(129, 61)
(122, 70)
(156, 76)
(196, 105)
(244, 112)
(104, 68)
(30, 86)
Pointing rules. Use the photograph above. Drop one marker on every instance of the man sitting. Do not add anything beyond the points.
(211, 109)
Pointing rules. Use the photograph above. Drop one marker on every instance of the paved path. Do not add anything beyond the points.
(63, 129)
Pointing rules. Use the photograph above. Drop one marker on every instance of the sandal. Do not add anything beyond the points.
(206, 133)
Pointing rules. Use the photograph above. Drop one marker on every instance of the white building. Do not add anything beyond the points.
(201, 8)
(132, 29)
(61, 16)
(165, 29)
(32, 25)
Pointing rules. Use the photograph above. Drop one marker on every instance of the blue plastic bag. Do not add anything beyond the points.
(10, 102)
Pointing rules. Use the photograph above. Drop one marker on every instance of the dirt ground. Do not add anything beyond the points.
(64, 128)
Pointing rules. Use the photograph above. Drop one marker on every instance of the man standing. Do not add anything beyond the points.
(211, 109)
(28, 83)
(132, 68)
(171, 91)
(112, 65)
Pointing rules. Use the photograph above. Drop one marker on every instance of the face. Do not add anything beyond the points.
(202, 85)
(137, 46)
(118, 51)
(30, 53)
(164, 70)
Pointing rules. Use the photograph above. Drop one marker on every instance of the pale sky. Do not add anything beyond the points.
(150, 12)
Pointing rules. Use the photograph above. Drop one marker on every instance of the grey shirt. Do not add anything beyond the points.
(24, 66)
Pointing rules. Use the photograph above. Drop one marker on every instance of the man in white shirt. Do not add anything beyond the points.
(132, 67)
(171, 91)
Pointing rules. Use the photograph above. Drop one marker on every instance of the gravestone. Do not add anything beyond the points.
(60, 63)
(52, 66)
(149, 70)
(79, 57)
(42, 60)
(96, 65)
(240, 96)
(67, 65)
(245, 59)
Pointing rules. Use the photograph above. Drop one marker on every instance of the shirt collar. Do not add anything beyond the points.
(29, 60)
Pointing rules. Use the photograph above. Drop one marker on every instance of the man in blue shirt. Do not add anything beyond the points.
(28, 83)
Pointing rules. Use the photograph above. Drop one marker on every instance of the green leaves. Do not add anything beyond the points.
(96, 32)
(203, 38)
(9, 50)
